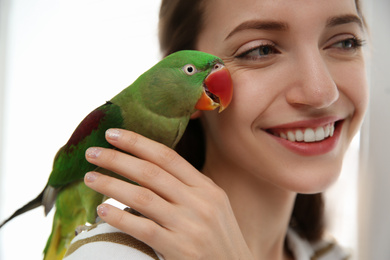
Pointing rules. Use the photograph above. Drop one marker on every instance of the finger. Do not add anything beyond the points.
(140, 171)
(138, 227)
(139, 198)
(157, 153)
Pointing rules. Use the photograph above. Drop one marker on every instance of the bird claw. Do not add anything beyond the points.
(81, 229)
(87, 227)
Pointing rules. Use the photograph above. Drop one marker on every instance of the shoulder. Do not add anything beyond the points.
(325, 249)
(103, 241)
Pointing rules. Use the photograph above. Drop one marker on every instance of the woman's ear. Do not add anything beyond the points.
(196, 114)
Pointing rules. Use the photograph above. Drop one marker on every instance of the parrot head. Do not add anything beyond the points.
(189, 81)
(217, 87)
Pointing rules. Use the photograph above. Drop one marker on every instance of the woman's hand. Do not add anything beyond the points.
(188, 215)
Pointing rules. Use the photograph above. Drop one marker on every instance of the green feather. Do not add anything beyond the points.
(70, 164)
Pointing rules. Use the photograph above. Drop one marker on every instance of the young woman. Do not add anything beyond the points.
(300, 94)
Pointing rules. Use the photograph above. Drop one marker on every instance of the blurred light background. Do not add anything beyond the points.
(61, 59)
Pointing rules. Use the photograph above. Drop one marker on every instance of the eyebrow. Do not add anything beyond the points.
(344, 19)
(282, 26)
(259, 25)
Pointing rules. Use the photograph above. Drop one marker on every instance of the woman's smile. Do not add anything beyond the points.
(308, 138)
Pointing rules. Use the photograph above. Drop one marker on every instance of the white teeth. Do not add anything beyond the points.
(320, 134)
(299, 135)
(291, 136)
(309, 134)
(327, 130)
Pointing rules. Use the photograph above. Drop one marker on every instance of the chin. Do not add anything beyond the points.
(314, 180)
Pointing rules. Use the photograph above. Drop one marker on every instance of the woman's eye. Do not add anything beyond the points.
(349, 44)
(258, 52)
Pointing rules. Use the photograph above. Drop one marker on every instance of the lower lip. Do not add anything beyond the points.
(313, 148)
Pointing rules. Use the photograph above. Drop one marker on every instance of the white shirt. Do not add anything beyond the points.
(106, 242)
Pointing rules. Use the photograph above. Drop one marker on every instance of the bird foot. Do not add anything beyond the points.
(81, 229)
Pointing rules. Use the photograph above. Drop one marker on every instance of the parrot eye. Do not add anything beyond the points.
(189, 69)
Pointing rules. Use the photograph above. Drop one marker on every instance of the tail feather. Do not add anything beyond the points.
(49, 198)
(54, 249)
(29, 206)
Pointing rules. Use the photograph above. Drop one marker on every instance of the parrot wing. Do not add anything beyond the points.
(70, 163)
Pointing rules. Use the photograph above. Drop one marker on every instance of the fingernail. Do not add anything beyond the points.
(113, 134)
(91, 176)
(93, 152)
(102, 210)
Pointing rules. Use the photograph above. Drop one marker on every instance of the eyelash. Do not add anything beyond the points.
(271, 49)
(356, 44)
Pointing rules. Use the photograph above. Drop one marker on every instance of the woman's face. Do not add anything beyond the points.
(300, 90)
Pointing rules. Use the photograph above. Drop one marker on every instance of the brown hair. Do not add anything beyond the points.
(180, 24)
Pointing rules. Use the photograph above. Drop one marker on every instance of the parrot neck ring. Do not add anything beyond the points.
(217, 89)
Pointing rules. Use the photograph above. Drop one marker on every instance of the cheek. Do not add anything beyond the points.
(254, 92)
(352, 82)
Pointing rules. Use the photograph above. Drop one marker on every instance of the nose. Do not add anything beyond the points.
(311, 82)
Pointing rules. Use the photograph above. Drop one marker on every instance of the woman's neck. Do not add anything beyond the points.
(262, 210)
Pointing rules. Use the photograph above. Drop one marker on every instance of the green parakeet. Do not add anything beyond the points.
(157, 105)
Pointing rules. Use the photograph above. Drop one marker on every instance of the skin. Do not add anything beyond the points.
(311, 74)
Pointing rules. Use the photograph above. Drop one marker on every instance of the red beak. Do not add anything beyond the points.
(217, 90)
